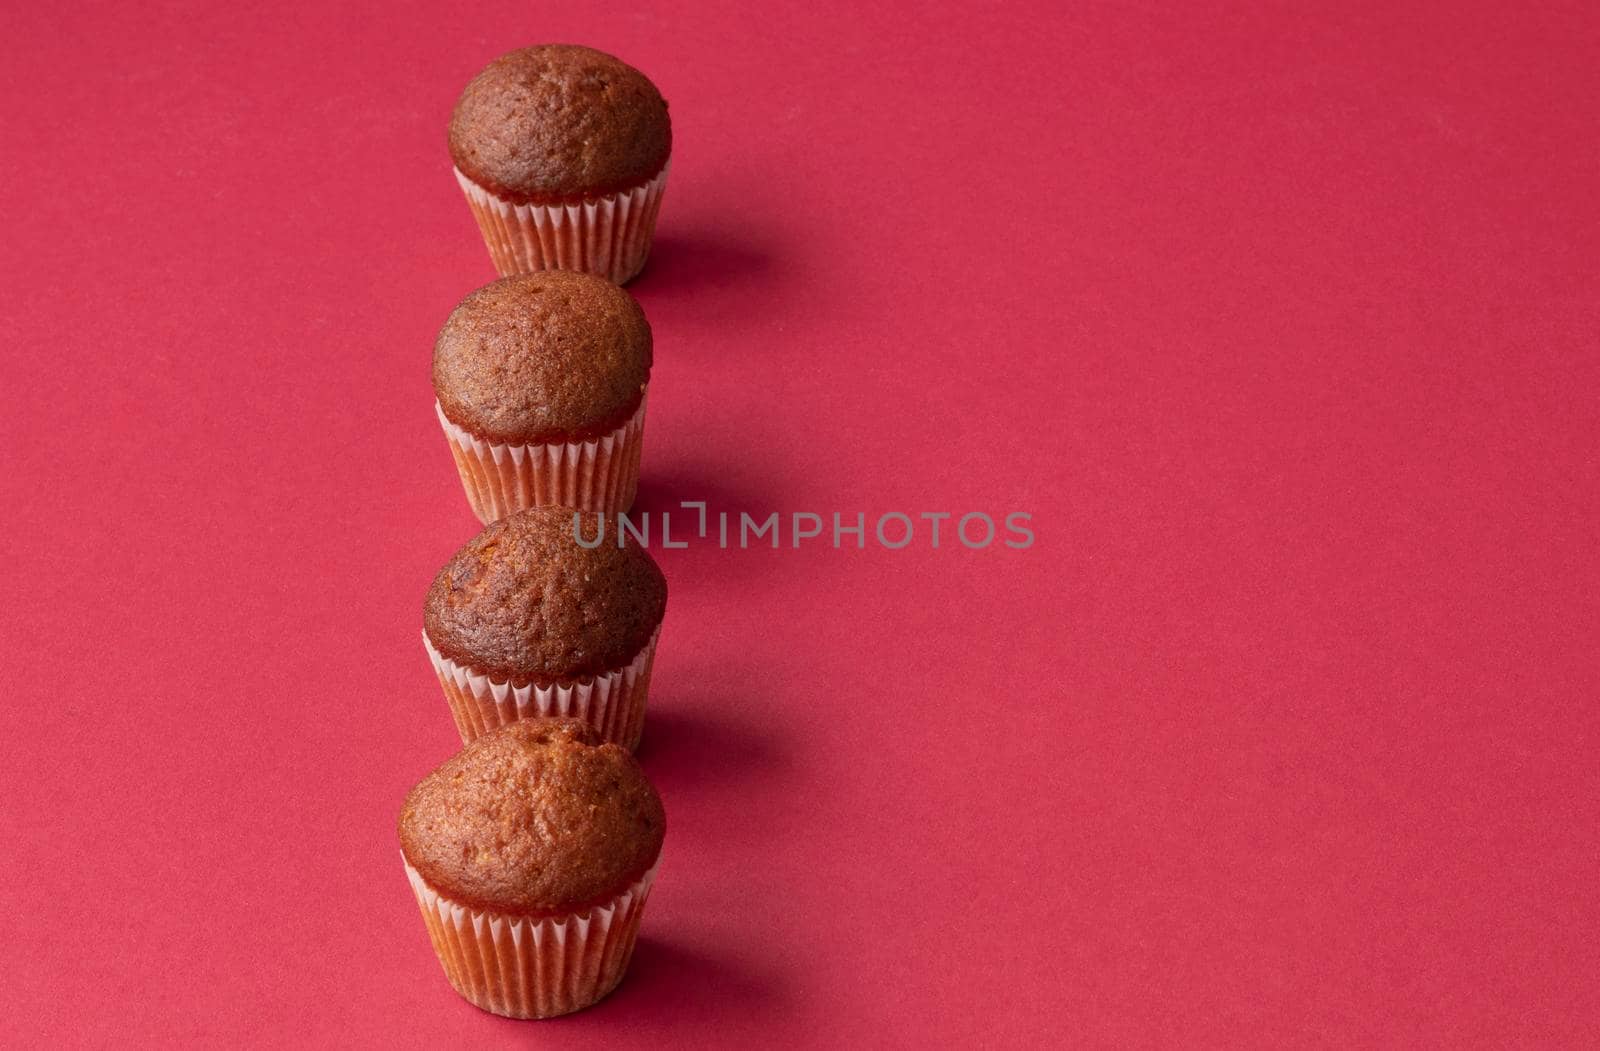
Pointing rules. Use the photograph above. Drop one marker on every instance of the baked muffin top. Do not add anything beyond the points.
(555, 355)
(535, 818)
(524, 602)
(558, 122)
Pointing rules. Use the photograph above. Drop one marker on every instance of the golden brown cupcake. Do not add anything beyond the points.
(531, 853)
(540, 384)
(525, 622)
(562, 152)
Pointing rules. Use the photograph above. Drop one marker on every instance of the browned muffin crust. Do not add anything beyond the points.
(558, 122)
(524, 602)
(551, 356)
(534, 819)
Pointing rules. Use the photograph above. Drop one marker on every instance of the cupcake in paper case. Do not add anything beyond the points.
(524, 622)
(539, 383)
(562, 152)
(531, 853)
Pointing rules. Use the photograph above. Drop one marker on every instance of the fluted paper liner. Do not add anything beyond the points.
(533, 968)
(609, 235)
(612, 703)
(601, 474)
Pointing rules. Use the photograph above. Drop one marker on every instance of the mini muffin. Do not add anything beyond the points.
(525, 622)
(540, 385)
(531, 853)
(562, 152)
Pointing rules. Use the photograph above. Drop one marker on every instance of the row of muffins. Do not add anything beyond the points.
(532, 851)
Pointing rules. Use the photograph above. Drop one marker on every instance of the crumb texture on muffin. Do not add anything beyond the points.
(537, 818)
(552, 356)
(524, 602)
(558, 122)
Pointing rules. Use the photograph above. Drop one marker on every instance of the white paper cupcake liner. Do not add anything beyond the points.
(612, 703)
(601, 474)
(533, 968)
(609, 235)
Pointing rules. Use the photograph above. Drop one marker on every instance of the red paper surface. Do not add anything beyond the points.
(1282, 324)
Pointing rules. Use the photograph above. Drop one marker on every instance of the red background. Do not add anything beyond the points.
(1282, 324)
